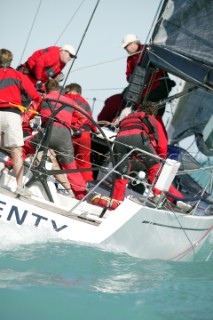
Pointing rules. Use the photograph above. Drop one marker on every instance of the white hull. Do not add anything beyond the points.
(132, 228)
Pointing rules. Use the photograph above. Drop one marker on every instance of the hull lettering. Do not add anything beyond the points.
(19, 220)
(20, 217)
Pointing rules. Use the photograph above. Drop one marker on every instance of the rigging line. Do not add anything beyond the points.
(106, 62)
(36, 153)
(79, 46)
(103, 89)
(154, 20)
(184, 231)
(208, 183)
(209, 168)
(151, 28)
(161, 103)
(69, 22)
(182, 74)
(112, 170)
(30, 31)
(101, 63)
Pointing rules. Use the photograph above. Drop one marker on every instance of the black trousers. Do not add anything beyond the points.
(161, 92)
(123, 145)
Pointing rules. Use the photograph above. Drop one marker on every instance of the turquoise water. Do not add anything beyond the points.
(41, 279)
(61, 280)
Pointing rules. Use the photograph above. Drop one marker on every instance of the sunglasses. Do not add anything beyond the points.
(71, 56)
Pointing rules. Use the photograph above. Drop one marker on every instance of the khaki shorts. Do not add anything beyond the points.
(11, 129)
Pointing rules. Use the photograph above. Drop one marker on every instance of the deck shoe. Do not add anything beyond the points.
(105, 202)
(184, 206)
(3, 171)
(159, 200)
(4, 177)
(24, 192)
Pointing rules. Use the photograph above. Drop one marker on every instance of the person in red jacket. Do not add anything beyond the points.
(140, 130)
(13, 85)
(82, 144)
(112, 106)
(47, 64)
(60, 140)
(158, 84)
(31, 112)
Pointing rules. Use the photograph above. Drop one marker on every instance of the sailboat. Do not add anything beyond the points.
(137, 227)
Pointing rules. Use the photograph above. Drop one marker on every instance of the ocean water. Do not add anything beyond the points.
(42, 279)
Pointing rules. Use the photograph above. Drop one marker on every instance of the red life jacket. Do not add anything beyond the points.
(13, 84)
(64, 117)
(141, 122)
(44, 64)
(79, 120)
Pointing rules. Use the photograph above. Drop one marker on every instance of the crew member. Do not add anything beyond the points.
(81, 143)
(60, 139)
(47, 63)
(140, 130)
(13, 85)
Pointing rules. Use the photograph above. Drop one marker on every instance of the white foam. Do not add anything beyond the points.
(12, 237)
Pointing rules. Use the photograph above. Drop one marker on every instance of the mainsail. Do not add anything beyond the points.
(182, 44)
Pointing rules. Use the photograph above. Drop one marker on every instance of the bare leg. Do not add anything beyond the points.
(18, 168)
(62, 178)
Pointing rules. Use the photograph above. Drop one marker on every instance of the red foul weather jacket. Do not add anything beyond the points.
(44, 64)
(154, 78)
(82, 144)
(112, 106)
(79, 120)
(140, 122)
(64, 117)
(12, 84)
(135, 124)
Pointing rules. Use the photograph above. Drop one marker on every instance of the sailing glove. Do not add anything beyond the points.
(76, 133)
(39, 85)
(60, 77)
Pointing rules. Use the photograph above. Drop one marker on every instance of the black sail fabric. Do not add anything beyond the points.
(192, 114)
(182, 44)
(186, 27)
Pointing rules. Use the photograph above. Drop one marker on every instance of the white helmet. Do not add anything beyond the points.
(129, 38)
(70, 49)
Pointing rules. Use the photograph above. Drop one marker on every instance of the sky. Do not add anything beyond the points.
(29, 25)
